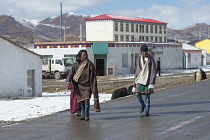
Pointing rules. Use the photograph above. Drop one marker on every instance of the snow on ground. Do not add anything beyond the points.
(50, 103)
(28, 108)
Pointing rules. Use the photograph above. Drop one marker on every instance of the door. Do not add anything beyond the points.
(99, 67)
(30, 83)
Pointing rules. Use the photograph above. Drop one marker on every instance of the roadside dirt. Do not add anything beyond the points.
(107, 84)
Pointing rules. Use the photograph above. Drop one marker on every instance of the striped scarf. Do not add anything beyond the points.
(79, 71)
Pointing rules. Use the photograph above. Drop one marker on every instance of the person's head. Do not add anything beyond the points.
(158, 58)
(81, 56)
(144, 50)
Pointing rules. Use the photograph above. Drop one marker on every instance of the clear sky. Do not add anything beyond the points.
(177, 13)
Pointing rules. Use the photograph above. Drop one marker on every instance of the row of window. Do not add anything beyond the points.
(132, 38)
(139, 28)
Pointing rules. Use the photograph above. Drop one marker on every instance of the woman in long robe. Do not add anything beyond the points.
(83, 77)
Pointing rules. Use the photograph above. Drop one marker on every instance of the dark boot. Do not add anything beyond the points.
(82, 117)
(87, 118)
(147, 113)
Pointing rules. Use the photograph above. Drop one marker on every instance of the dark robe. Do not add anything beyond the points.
(87, 83)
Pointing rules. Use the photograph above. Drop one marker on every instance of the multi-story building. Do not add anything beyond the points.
(126, 29)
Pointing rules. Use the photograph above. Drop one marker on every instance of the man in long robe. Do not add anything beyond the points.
(83, 77)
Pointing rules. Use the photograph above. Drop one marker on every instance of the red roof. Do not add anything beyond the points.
(113, 17)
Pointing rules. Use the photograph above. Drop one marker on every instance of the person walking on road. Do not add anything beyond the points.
(158, 66)
(145, 76)
(83, 78)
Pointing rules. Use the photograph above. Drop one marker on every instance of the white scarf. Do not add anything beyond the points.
(143, 75)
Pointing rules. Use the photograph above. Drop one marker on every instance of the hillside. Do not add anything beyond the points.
(26, 32)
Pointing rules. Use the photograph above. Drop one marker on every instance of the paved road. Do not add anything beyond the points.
(179, 113)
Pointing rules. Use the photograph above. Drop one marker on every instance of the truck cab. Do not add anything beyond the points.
(57, 67)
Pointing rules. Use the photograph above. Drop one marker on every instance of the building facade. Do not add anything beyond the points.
(205, 46)
(192, 56)
(113, 58)
(118, 28)
(21, 71)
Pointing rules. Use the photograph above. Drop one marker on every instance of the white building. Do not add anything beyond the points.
(192, 56)
(118, 28)
(113, 58)
(20, 72)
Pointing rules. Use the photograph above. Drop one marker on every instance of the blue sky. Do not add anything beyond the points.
(177, 13)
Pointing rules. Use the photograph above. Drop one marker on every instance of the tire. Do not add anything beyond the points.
(57, 75)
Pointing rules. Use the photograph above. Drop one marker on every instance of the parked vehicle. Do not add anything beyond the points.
(56, 67)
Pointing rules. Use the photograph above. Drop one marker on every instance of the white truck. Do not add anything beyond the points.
(56, 67)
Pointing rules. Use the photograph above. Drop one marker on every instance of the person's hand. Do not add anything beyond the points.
(151, 88)
(133, 90)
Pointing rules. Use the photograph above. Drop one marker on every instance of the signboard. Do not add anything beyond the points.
(159, 49)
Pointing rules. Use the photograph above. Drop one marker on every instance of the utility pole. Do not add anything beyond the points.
(208, 31)
(61, 22)
(80, 32)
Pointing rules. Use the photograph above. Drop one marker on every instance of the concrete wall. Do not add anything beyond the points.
(171, 58)
(15, 62)
(195, 59)
(99, 31)
(114, 59)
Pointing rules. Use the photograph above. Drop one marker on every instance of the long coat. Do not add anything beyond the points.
(87, 83)
(152, 70)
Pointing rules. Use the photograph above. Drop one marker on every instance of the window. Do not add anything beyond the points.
(156, 30)
(132, 27)
(45, 59)
(125, 60)
(137, 28)
(147, 29)
(58, 61)
(121, 38)
(141, 38)
(127, 37)
(160, 30)
(141, 28)
(132, 38)
(151, 38)
(121, 27)
(164, 28)
(147, 38)
(127, 27)
(116, 37)
(156, 39)
(189, 57)
(116, 26)
(151, 28)
(160, 39)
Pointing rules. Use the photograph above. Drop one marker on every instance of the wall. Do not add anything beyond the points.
(114, 59)
(204, 45)
(171, 58)
(99, 31)
(195, 59)
(14, 64)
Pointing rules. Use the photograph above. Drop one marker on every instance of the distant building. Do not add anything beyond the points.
(113, 58)
(118, 28)
(192, 56)
(205, 46)
(21, 71)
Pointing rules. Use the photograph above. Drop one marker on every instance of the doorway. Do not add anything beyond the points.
(30, 83)
(99, 67)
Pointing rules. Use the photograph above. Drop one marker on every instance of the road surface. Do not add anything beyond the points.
(178, 113)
